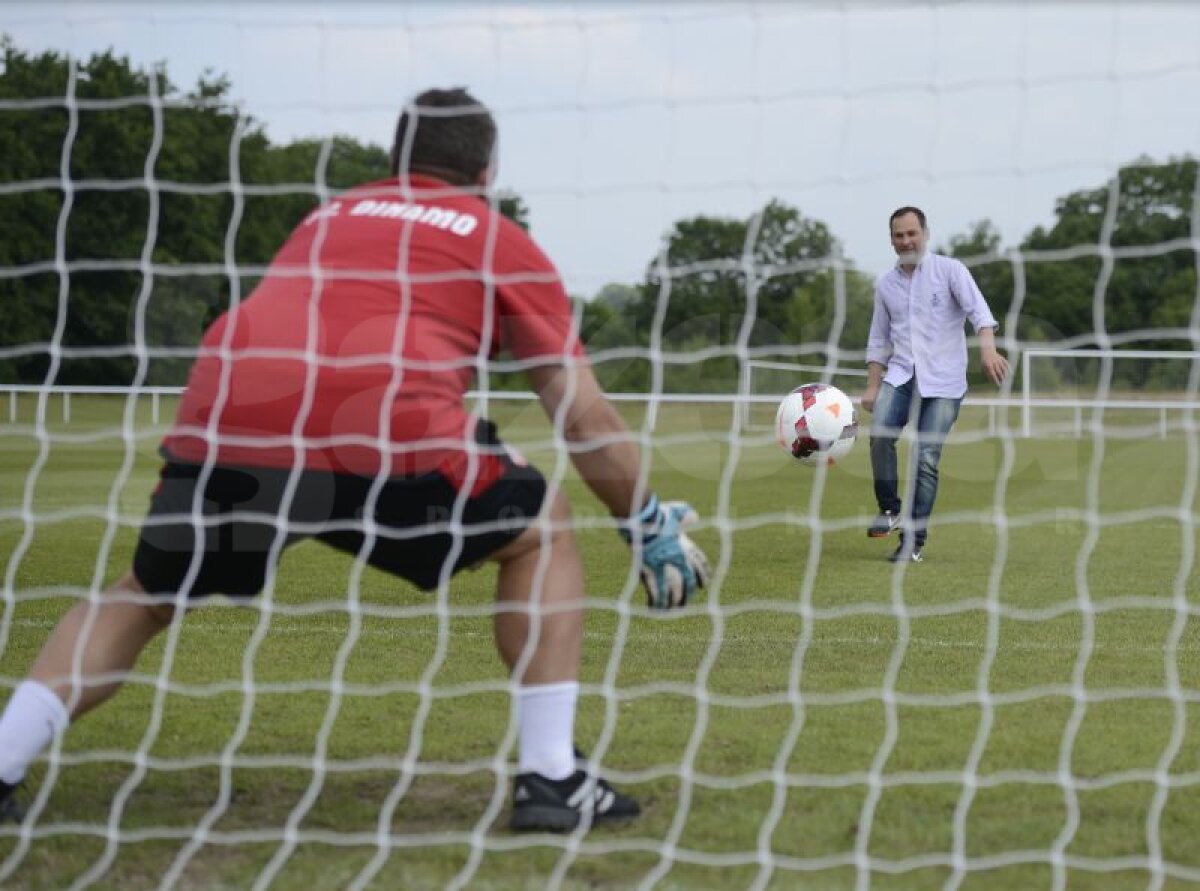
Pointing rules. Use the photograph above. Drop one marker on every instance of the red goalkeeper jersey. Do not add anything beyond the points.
(354, 352)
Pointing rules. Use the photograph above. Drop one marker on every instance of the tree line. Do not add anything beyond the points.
(120, 236)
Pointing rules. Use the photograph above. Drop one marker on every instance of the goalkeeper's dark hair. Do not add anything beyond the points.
(908, 208)
(444, 133)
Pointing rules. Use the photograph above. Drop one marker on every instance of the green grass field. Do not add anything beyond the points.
(1014, 713)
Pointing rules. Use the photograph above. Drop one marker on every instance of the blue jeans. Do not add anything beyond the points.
(894, 408)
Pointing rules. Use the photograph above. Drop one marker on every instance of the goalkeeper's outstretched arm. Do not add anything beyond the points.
(601, 447)
(604, 453)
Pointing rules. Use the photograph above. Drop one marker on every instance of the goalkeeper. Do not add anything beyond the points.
(329, 404)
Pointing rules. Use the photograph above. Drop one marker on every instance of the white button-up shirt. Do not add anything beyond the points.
(917, 327)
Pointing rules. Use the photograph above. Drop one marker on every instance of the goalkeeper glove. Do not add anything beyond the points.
(673, 567)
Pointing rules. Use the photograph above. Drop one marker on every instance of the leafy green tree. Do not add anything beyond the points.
(31, 151)
(714, 270)
(1152, 282)
(833, 308)
(778, 265)
(135, 213)
(607, 328)
(125, 197)
(980, 249)
(513, 206)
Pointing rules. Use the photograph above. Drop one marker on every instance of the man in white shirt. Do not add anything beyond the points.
(917, 369)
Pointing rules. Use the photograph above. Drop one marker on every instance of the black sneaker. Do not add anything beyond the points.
(884, 524)
(541, 804)
(10, 809)
(905, 554)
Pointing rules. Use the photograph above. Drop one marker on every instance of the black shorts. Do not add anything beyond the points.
(415, 536)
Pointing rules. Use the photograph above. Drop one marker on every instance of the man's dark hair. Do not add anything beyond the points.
(908, 208)
(445, 133)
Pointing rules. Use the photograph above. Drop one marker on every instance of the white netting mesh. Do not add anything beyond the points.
(1013, 713)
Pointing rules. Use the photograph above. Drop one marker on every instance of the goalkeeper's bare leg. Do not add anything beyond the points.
(539, 633)
(106, 636)
(80, 665)
(541, 590)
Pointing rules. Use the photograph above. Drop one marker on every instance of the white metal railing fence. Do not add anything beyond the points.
(65, 393)
(1026, 402)
(1029, 401)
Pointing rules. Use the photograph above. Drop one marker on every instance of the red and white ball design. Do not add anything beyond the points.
(816, 424)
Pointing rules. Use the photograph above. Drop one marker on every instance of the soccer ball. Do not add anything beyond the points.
(816, 424)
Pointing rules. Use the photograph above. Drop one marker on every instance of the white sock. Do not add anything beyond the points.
(546, 729)
(33, 717)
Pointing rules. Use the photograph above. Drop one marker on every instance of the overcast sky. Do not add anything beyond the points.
(618, 119)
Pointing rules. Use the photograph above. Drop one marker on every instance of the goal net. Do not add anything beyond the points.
(714, 181)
